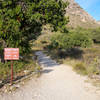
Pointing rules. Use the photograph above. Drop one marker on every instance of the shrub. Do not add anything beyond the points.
(4, 70)
(96, 35)
(81, 40)
(70, 40)
(80, 68)
(92, 70)
(18, 66)
(94, 67)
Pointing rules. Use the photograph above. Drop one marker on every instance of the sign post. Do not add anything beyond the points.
(11, 72)
(11, 54)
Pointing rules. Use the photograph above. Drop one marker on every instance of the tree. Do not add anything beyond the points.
(22, 20)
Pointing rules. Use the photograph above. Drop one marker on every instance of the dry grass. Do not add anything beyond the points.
(90, 59)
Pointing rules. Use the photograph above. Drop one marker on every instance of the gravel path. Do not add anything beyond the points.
(58, 82)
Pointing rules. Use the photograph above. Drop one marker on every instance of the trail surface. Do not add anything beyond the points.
(58, 82)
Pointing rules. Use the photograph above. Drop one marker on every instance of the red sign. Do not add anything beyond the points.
(11, 53)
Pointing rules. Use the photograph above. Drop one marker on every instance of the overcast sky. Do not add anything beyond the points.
(91, 6)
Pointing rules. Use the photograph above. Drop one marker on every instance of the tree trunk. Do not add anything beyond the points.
(3, 45)
(2, 57)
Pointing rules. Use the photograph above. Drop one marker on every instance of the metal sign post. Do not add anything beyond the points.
(11, 54)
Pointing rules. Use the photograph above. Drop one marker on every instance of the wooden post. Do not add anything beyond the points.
(11, 72)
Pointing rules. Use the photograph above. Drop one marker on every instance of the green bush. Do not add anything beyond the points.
(18, 66)
(70, 40)
(81, 40)
(4, 70)
(96, 34)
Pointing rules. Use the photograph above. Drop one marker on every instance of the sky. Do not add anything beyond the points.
(91, 6)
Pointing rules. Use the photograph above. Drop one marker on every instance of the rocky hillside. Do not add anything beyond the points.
(98, 22)
(79, 17)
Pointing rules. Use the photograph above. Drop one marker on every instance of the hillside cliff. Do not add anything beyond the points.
(79, 17)
(98, 22)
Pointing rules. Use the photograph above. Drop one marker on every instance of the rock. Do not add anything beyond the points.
(11, 87)
(21, 57)
(17, 86)
(23, 83)
(0, 82)
(26, 71)
(97, 77)
(5, 90)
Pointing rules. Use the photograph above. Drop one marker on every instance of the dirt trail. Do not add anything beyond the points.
(58, 82)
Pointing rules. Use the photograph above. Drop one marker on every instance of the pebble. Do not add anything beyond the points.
(26, 71)
(0, 82)
(17, 86)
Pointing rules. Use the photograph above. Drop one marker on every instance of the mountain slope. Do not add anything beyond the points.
(98, 22)
(79, 17)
